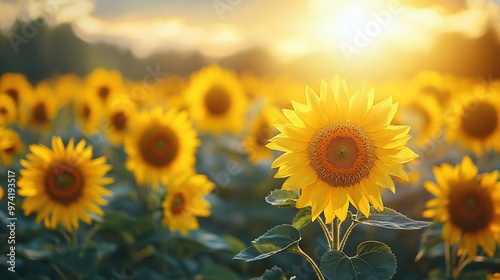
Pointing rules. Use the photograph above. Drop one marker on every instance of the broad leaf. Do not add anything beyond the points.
(302, 218)
(77, 261)
(283, 198)
(274, 273)
(374, 260)
(391, 219)
(277, 239)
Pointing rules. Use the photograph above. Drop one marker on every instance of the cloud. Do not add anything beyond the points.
(221, 27)
(149, 35)
(53, 12)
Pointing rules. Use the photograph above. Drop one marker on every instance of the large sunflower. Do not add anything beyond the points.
(160, 145)
(339, 148)
(185, 200)
(216, 100)
(63, 184)
(475, 121)
(10, 146)
(467, 204)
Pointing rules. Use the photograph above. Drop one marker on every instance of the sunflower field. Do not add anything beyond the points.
(222, 170)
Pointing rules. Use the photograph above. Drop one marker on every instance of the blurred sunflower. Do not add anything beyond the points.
(66, 88)
(88, 113)
(160, 145)
(261, 131)
(288, 89)
(476, 121)
(255, 87)
(467, 204)
(16, 86)
(63, 184)
(105, 85)
(10, 146)
(438, 85)
(185, 200)
(2, 192)
(495, 276)
(170, 92)
(8, 110)
(216, 100)
(339, 148)
(119, 114)
(42, 107)
(426, 117)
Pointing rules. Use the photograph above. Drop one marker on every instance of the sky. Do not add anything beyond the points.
(288, 29)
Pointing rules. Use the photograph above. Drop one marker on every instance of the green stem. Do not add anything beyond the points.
(58, 271)
(447, 258)
(336, 233)
(66, 236)
(462, 263)
(311, 261)
(75, 239)
(328, 236)
(347, 233)
(93, 230)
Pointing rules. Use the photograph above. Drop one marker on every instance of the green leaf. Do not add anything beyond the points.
(77, 261)
(390, 219)
(215, 272)
(373, 261)
(274, 273)
(283, 198)
(277, 239)
(302, 218)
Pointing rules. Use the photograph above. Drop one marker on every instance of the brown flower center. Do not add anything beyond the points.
(10, 150)
(64, 183)
(103, 92)
(86, 111)
(264, 134)
(341, 154)
(3, 111)
(39, 113)
(479, 120)
(14, 94)
(178, 204)
(159, 146)
(217, 101)
(441, 95)
(119, 120)
(470, 207)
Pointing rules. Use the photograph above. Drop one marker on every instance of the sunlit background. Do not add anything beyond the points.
(369, 39)
(435, 58)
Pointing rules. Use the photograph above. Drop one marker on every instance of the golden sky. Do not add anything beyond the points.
(288, 29)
